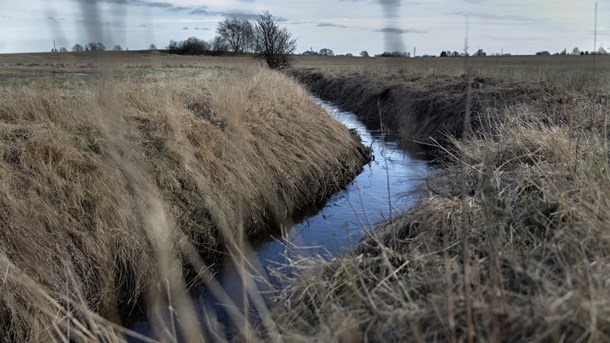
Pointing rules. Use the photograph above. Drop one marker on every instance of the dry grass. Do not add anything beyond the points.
(579, 72)
(511, 244)
(110, 183)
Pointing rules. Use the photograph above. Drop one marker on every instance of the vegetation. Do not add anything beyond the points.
(191, 46)
(273, 44)
(509, 244)
(112, 182)
(237, 34)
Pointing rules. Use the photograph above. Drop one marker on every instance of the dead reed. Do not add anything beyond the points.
(112, 183)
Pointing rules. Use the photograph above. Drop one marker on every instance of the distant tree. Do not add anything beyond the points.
(237, 33)
(194, 46)
(117, 48)
(543, 53)
(327, 52)
(444, 54)
(218, 44)
(309, 53)
(364, 53)
(564, 52)
(95, 46)
(273, 44)
(152, 47)
(191, 46)
(63, 49)
(396, 54)
(480, 53)
(172, 47)
(349, 54)
(78, 48)
(576, 51)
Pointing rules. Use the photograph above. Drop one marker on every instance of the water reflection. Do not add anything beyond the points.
(387, 185)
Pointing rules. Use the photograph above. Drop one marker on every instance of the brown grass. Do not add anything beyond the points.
(558, 71)
(110, 183)
(510, 243)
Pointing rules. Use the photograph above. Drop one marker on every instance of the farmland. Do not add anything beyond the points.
(125, 174)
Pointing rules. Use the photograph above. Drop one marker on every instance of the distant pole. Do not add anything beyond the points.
(54, 48)
(595, 31)
(414, 51)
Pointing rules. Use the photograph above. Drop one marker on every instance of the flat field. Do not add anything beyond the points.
(578, 70)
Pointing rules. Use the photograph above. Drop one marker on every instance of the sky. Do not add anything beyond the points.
(345, 26)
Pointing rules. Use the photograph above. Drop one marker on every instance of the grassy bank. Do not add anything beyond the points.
(427, 100)
(509, 244)
(117, 171)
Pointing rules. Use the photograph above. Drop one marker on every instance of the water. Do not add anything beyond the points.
(387, 185)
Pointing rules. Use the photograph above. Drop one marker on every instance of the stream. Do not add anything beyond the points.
(387, 185)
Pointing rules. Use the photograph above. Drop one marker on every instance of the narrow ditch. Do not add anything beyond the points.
(387, 185)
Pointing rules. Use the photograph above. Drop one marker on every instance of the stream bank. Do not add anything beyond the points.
(509, 243)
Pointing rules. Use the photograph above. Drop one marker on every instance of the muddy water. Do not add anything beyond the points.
(386, 185)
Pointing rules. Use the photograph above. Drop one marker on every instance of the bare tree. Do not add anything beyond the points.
(152, 47)
(236, 33)
(78, 48)
(117, 48)
(273, 44)
(327, 52)
(95, 46)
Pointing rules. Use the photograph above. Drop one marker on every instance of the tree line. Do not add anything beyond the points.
(264, 38)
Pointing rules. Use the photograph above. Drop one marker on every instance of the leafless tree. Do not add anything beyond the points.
(236, 33)
(78, 48)
(273, 44)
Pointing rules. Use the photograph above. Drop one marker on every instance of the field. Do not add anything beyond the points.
(511, 242)
(570, 71)
(121, 171)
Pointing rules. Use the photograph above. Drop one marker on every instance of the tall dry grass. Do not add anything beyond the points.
(510, 244)
(110, 186)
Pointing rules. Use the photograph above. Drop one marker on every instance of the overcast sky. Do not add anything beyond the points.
(514, 26)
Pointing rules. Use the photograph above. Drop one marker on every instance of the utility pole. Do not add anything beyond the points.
(414, 51)
(595, 30)
(54, 48)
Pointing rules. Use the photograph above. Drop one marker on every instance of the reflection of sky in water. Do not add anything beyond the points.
(339, 225)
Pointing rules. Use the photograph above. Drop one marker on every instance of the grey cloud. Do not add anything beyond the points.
(495, 16)
(165, 5)
(398, 31)
(332, 25)
(205, 12)
(152, 4)
(201, 11)
(179, 9)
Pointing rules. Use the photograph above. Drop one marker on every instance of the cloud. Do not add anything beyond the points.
(495, 16)
(151, 4)
(332, 25)
(203, 11)
(200, 11)
(394, 30)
